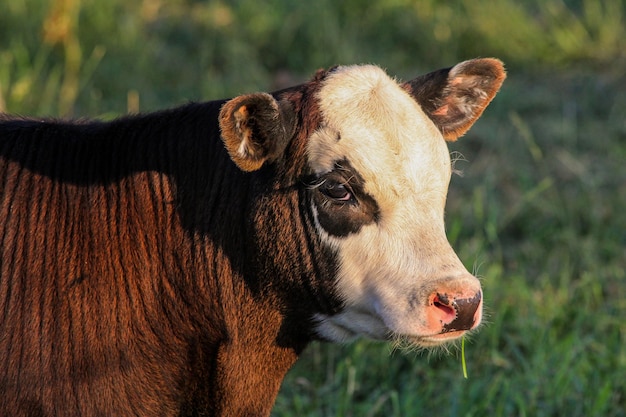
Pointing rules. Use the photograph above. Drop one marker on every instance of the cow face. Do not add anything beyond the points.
(380, 169)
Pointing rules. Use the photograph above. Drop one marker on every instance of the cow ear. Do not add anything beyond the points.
(255, 128)
(454, 98)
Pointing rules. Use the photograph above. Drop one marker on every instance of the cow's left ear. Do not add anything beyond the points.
(256, 128)
(454, 98)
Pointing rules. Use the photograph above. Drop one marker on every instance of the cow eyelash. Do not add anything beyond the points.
(334, 190)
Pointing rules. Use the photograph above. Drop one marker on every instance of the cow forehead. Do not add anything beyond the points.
(372, 122)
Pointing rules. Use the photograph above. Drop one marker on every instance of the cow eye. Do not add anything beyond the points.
(336, 191)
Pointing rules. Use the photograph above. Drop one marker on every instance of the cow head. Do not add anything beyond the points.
(380, 169)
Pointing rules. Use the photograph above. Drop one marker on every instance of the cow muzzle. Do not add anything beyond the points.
(449, 313)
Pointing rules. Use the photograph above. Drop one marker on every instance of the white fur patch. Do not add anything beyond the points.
(389, 268)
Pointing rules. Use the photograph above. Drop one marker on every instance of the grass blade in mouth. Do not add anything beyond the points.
(463, 363)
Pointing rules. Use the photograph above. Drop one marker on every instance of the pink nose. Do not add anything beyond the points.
(455, 313)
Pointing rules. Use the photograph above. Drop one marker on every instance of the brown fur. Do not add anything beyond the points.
(135, 281)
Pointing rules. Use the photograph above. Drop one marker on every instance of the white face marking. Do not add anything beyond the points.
(388, 268)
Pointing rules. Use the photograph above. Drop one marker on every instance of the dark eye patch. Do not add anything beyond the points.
(343, 206)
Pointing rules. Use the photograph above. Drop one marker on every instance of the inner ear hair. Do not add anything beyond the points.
(454, 98)
(255, 129)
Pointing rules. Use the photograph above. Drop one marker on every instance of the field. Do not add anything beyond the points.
(538, 209)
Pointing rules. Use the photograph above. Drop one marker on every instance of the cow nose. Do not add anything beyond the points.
(458, 313)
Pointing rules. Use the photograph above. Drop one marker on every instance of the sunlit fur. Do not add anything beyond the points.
(389, 268)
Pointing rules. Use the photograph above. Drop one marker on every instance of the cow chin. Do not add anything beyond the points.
(350, 325)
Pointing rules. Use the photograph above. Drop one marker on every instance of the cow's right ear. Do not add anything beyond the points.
(256, 128)
(454, 98)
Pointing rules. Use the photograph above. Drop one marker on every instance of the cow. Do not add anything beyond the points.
(176, 263)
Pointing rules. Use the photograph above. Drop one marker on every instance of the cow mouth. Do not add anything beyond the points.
(434, 340)
(339, 329)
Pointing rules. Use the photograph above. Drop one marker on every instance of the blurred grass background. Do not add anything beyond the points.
(539, 212)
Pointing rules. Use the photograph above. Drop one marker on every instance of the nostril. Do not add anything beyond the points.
(447, 312)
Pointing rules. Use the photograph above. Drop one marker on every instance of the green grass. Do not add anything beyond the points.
(539, 212)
